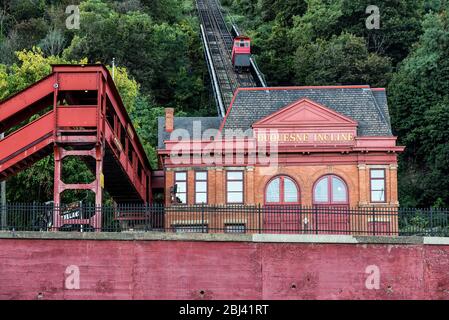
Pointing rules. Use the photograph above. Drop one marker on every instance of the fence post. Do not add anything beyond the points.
(374, 220)
(3, 211)
(315, 209)
(160, 215)
(30, 217)
(146, 217)
(260, 218)
(431, 221)
(3, 218)
(202, 218)
(81, 216)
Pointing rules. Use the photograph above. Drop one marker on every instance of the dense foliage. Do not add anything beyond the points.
(419, 102)
(296, 42)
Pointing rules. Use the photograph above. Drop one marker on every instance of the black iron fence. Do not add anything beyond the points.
(342, 220)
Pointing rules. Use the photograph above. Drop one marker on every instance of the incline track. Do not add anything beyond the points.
(218, 41)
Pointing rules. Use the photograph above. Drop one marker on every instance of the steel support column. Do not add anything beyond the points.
(96, 186)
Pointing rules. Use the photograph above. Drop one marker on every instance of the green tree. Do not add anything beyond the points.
(162, 57)
(274, 48)
(128, 88)
(282, 10)
(419, 96)
(32, 66)
(400, 25)
(163, 10)
(340, 60)
(25, 10)
(145, 120)
(319, 21)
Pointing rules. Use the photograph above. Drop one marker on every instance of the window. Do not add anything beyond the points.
(321, 193)
(235, 228)
(330, 190)
(181, 183)
(377, 185)
(122, 135)
(339, 193)
(130, 152)
(193, 228)
(200, 187)
(109, 113)
(282, 190)
(139, 171)
(234, 186)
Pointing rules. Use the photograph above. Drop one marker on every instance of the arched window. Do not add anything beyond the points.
(282, 190)
(330, 190)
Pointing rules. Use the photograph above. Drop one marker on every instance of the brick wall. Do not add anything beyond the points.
(220, 270)
(356, 177)
(256, 178)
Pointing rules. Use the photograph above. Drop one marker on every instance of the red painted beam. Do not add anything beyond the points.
(77, 116)
(13, 108)
(26, 141)
(78, 81)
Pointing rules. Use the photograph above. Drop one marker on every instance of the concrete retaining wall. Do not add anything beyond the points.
(207, 266)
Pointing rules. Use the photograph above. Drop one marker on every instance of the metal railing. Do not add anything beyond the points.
(285, 219)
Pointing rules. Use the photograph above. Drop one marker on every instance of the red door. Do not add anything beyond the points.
(331, 206)
(283, 219)
(282, 212)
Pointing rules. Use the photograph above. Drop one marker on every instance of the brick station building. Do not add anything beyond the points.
(325, 147)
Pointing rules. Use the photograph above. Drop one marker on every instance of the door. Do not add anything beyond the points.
(331, 206)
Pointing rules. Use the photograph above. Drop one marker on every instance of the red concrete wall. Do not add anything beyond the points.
(220, 270)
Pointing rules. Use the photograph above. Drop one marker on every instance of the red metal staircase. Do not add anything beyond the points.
(80, 113)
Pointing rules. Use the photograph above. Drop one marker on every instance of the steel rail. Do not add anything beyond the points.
(218, 41)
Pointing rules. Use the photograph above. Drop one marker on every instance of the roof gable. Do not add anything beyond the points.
(305, 113)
